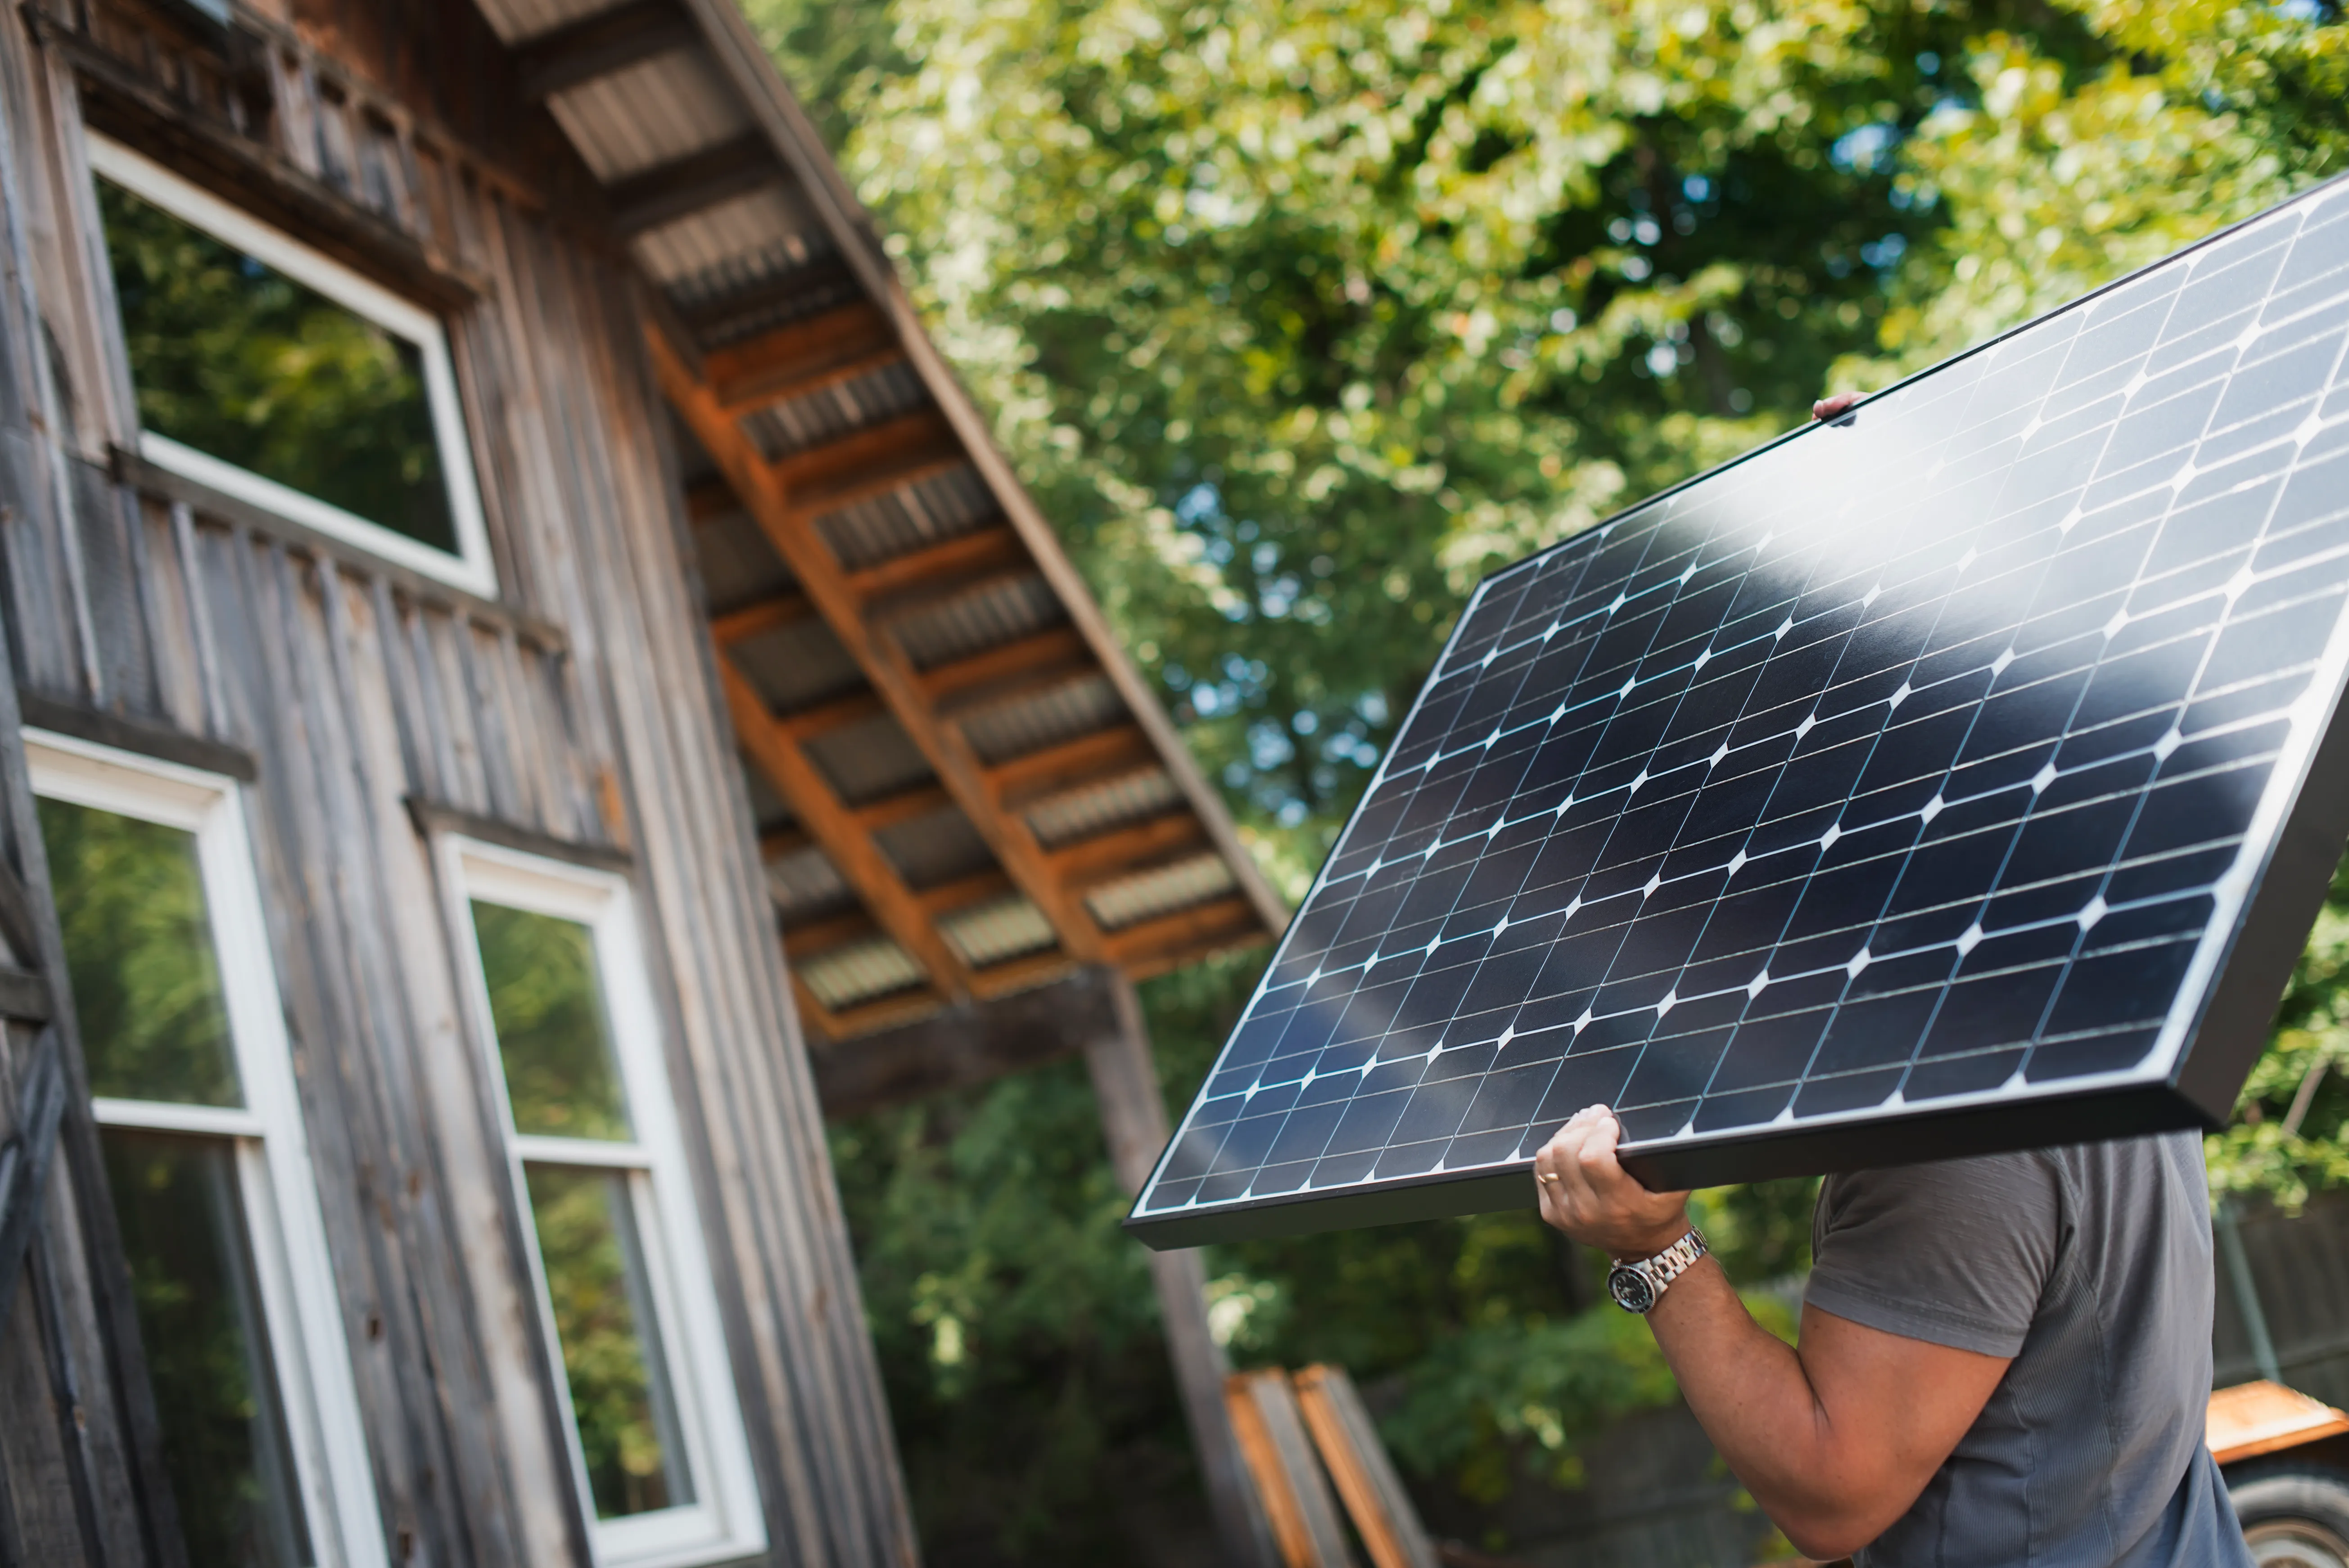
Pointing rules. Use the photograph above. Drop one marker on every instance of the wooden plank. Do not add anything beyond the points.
(852, 851)
(881, 1012)
(1279, 1458)
(2254, 1418)
(964, 891)
(598, 46)
(889, 441)
(693, 183)
(1009, 669)
(902, 806)
(804, 941)
(1218, 922)
(983, 549)
(833, 714)
(25, 1163)
(801, 357)
(1090, 862)
(1357, 1462)
(143, 736)
(1025, 973)
(1058, 769)
(24, 996)
(776, 842)
(948, 751)
(885, 477)
(765, 616)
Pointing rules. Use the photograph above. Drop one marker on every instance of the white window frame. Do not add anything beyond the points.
(724, 1520)
(300, 1306)
(471, 567)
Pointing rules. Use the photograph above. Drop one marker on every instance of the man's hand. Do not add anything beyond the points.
(1834, 407)
(1585, 1194)
(1834, 1436)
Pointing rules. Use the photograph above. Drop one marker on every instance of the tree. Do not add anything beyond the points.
(1296, 319)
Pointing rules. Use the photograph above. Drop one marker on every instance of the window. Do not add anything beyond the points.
(193, 1085)
(561, 1005)
(271, 373)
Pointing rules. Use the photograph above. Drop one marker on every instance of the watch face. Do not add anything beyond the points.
(1631, 1289)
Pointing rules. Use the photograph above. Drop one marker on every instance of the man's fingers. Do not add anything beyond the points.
(1830, 408)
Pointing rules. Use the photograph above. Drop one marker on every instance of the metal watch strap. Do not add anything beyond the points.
(1662, 1269)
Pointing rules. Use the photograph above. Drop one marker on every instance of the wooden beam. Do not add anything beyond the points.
(792, 288)
(599, 45)
(961, 1048)
(982, 550)
(802, 357)
(921, 600)
(1090, 862)
(1007, 666)
(868, 872)
(1055, 770)
(806, 939)
(765, 616)
(1220, 923)
(883, 478)
(902, 806)
(882, 1013)
(961, 893)
(768, 493)
(1383, 1512)
(693, 183)
(854, 452)
(1017, 974)
(835, 713)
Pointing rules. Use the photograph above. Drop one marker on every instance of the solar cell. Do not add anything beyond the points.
(1960, 776)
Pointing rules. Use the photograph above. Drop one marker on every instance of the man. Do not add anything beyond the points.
(2003, 1360)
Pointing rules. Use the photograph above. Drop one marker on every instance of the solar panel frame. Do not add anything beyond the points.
(2211, 1036)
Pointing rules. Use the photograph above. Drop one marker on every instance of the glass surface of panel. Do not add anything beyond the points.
(598, 1287)
(555, 1037)
(182, 1218)
(245, 364)
(139, 957)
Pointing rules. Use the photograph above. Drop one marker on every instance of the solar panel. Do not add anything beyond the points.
(1961, 775)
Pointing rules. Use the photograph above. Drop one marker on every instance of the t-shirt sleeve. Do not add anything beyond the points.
(1957, 1252)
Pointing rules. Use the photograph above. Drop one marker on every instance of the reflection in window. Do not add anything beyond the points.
(239, 361)
(224, 1442)
(552, 1036)
(601, 1293)
(139, 955)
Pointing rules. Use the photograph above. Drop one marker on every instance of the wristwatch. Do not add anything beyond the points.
(1638, 1287)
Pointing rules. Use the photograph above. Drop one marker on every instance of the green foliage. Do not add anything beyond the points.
(547, 1005)
(1296, 319)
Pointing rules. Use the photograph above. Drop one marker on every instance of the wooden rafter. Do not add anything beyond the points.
(1072, 765)
(806, 938)
(1167, 941)
(765, 616)
(832, 714)
(904, 807)
(693, 183)
(774, 493)
(776, 842)
(609, 41)
(851, 849)
(802, 357)
(1090, 862)
(980, 550)
(1008, 669)
(964, 891)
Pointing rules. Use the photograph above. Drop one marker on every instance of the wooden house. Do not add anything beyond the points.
(526, 682)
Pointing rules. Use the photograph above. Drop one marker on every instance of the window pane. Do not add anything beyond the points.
(604, 1317)
(236, 359)
(139, 955)
(200, 1319)
(547, 1004)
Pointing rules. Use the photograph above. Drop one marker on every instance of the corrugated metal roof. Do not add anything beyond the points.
(1016, 728)
(727, 248)
(1161, 890)
(869, 761)
(861, 972)
(943, 507)
(998, 610)
(799, 250)
(936, 848)
(798, 664)
(805, 884)
(782, 429)
(653, 112)
(1083, 813)
(992, 933)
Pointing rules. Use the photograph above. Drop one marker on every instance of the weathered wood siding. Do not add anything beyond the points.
(579, 708)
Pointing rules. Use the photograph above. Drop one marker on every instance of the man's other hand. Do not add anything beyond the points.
(1834, 407)
(1585, 1194)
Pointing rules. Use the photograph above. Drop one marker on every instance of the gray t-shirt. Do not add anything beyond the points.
(2091, 1267)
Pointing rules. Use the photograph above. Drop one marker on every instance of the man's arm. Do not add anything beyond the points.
(1834, 1436)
